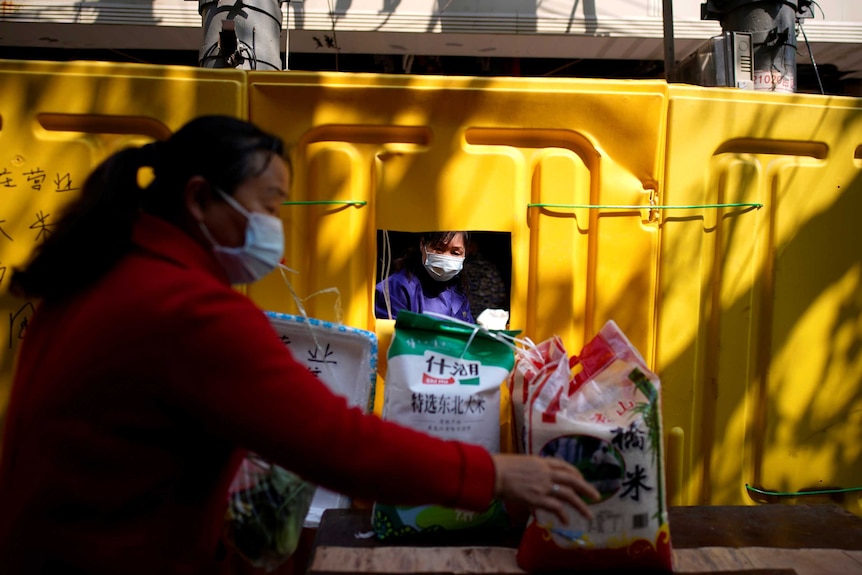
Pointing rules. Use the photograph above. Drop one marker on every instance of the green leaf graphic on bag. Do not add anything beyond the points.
(444, 378)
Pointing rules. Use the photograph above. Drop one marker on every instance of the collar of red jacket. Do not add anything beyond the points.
(170, 242)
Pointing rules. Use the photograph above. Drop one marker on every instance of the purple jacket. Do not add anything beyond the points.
(410, 292)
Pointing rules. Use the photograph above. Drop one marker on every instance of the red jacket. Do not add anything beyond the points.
(133, 404)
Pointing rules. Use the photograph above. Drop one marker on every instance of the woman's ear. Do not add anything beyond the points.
(197, 195)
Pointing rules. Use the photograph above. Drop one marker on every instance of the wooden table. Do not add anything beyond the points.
(730, 540)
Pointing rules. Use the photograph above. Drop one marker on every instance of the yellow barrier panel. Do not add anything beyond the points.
(402, 153)
(759, 325)
(57, 121)
(414, 154)
(715, 226)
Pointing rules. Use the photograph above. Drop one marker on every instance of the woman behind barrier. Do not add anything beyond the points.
(144, 377)
(427, 278)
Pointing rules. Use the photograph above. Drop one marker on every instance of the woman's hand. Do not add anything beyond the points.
(542, 483)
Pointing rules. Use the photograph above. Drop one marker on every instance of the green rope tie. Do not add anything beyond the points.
(325, 203)
(640, 207)
(586, 206)
(798, 493)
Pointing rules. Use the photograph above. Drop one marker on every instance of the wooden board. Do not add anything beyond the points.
(755, 540)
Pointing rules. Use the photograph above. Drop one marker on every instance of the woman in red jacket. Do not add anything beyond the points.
(144, 376)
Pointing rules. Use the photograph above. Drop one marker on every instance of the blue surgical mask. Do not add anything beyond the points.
(442, 267)
(260, 254)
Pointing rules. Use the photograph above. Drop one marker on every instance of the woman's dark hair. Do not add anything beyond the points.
(95, 230)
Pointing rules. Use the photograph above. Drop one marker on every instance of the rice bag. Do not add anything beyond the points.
(533, 364)
(445, 378)
(606, 421)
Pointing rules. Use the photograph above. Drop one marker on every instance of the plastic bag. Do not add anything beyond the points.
(266, 509)
(606, 421)
(533, 365)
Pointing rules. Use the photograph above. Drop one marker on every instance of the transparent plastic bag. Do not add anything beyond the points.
(267, 506)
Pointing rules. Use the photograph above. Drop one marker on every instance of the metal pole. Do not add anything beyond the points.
(772, 25)
(243, 34)
(287, 36)
(669, 50)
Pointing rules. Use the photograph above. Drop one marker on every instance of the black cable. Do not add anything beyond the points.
(207, 54)
(253, 50)
(822, 13)
(811, 55)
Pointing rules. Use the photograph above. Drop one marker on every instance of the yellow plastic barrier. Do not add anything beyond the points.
(715, 226)
(401, 153)
(759, 323)
(57, 121)
(549, 162)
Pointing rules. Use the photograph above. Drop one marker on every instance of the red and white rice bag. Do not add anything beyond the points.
(606, 421)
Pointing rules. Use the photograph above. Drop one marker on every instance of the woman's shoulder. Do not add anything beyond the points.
(399, 278)
(172, 290)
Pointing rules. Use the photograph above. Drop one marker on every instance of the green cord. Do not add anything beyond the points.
(636, 207)
(794, 494)
(325, 203)
(588, 206)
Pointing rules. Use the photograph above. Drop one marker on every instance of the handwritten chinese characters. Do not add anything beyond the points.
(32, 179)
(320, 356)
(18, 322)
(19, 183)
(343, 358)
(35, 178)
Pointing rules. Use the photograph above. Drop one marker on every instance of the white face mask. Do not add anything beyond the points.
(442, 267)
(261, 252)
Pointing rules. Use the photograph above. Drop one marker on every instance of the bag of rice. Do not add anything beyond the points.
(606, 421)
(533, 364)
(445, 378)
